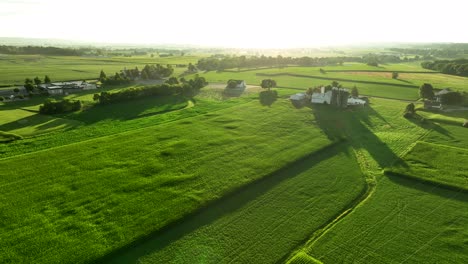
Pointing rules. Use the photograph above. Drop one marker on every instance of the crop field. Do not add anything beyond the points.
(405, 221)
(263, 222)
(219, 179)
(429, 161)
(15, 68)
(117, 188)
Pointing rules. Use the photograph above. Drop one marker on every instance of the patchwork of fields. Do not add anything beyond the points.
(217, 180)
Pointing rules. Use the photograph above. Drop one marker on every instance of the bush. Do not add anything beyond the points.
(465, 124)
(394, 75)
(52, 106)
(20, 96)
(268, 97)
(407, 115)
(2, 98)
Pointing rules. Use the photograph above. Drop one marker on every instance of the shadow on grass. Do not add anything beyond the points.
(39, 122)
(217, 209)
(350, 124)
(428, 124)
(434, 188)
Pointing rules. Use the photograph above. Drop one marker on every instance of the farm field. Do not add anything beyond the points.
(404, 221)
(263, 222)
(15, 68)
(427, 161)
(220, 179)
(407, 219)
(141, 180)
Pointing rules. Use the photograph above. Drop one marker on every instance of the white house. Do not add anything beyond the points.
(356, 101)
(322, 97)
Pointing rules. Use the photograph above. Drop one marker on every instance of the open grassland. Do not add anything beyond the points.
(86, 199)
(430, 162)
(264, 221)
(405, 221)
(15, 68)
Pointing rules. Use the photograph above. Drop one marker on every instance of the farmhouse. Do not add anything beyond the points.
(58, 88)
(438, 96)
(338, 97)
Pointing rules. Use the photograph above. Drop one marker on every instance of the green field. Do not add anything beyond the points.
(428, 162)
(218, 179)
(15, 68)
(264, 222)
(404, 221)
(118, 188)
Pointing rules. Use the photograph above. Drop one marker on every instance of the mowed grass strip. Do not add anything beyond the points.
(434, 163)
(81, 201)
(263, 222)
(405, 221)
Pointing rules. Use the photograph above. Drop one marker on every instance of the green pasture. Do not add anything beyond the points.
(87, 199)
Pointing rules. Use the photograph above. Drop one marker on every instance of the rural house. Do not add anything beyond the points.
(59, 88)
(338, 97)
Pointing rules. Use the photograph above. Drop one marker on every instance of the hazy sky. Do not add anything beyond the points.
(237, 23)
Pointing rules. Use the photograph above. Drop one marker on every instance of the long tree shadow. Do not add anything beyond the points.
(350, 124)
(235, 200)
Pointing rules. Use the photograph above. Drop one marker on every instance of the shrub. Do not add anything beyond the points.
(465, 124)
(407, 115)
(20, 96)
(268, 97)
(394, 75)
(2, 98)
(52, 106)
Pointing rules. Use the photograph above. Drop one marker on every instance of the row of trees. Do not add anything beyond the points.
(29, 50)
(454, 67)
(182, 87)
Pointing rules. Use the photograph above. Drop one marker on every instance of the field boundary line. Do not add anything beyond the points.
(334, 79)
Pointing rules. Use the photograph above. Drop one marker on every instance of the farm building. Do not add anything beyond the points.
(338, 97)
(58, 88)
(297, 97)
(236, 84)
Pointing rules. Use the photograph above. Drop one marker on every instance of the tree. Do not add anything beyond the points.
(37, 81)
(394, 75)
(28, 85)
(426, 91)
(102, 76)
(354, 92)
(47, 79)
(268, 84)
(322, 71)
(96, 97)
(191, 68)
(232, 84)
(16, 90)
(172, 80)
(410, 108)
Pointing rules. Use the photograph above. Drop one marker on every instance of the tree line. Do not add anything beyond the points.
(31, 50)
(222, 62)
(453, 67)
(171, 87)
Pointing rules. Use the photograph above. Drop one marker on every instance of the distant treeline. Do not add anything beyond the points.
(30, 50)
(220, 62)
(442, 50)
(454, 67)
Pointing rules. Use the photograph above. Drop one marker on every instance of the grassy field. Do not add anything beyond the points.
(429, 161)
(117, 188)
(404, 221)
(263, 222)
(15, 68)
